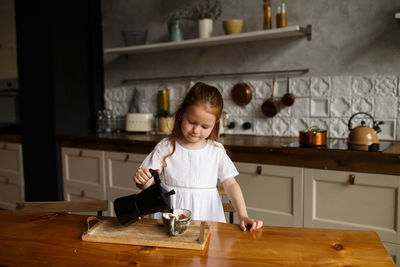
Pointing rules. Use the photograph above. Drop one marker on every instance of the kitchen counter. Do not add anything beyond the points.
(54, 239)
(256, 149)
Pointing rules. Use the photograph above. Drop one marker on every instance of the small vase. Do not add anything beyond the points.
(205, 28)
(175, 29)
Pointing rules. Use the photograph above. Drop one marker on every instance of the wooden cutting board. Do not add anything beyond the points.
(146, 233)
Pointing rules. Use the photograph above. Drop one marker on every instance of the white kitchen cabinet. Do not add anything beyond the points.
(351, 200)
(120, 168)
(273, 194)
(11, 175)
(8, 48)
(394, 251)
(83, 174)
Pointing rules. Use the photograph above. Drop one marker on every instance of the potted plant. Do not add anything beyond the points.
(205, 11)
(175, 24)
(165, 121)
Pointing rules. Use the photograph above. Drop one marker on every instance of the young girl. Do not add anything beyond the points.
(192, 160)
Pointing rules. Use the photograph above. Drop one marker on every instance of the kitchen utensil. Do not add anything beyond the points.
(363, 137)
(139, 122)
(312, 137)
(177, 221)
(288, 98)
(270, 107)
(152, 199)
(241, 94)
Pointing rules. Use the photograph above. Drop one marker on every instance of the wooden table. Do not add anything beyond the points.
(51, 239)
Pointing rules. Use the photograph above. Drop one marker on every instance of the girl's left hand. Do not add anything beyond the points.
(252, 224)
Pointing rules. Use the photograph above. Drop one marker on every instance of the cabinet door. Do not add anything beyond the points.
(272, 193)
(8, 51)
(83, 169)
(120, 168)
(11, 175)
(80, 193)
(394, 251)
(345, 200)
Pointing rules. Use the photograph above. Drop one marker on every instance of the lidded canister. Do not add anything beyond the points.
(163, 100)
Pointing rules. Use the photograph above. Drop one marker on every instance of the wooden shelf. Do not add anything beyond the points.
(291, 31)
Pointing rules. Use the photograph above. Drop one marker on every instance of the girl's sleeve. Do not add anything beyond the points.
(153, 160)
(226, 168)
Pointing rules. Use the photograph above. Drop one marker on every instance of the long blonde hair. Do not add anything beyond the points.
(206, 96)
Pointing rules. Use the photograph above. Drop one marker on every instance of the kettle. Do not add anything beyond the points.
(363, 137)
(151, 200)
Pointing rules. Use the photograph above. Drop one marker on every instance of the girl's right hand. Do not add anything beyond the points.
(142, 176)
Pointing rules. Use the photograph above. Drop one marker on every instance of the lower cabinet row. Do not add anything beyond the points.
(278, 195)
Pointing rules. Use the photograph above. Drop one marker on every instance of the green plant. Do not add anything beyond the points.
(177, 15)
(206, 9)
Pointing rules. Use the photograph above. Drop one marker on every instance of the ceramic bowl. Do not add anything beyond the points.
(232, 26)
(178, 221)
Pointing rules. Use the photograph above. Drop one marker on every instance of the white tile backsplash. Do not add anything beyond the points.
(326, 102)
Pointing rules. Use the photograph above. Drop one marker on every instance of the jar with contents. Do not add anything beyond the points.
(267, 15)
(281, 16)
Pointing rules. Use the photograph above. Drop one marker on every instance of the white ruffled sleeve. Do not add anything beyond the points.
(226, 168)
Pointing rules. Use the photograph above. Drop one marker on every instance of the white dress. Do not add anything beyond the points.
(193, 174)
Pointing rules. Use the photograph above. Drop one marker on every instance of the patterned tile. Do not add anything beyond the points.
(320, 86)
(300, 87)
(363, 104)
(363, 86)
(340, 106)
(280, 87)
(386, 86)
(118, 94)
(319, 107)
(263, 90)
(341, 86)
(386, 107)
(388, 130)
(263, 127)
(297, 125)
(398, 130)
(338, 128)
(301, 108)
(281, 127)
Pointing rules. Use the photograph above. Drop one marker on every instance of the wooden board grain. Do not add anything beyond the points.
(146, 233)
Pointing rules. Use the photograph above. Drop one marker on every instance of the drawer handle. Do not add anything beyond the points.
(80, 153)
(7, 180)
(5, 146)
(82, 193)
(352, 178)
(127, 157)
(259, 170)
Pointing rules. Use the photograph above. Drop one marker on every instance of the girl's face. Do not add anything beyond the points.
(197, 124)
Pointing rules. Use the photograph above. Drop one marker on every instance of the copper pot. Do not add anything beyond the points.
(241, 94)
(270, 107)
(313, 137)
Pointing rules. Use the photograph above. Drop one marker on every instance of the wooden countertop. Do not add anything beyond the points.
(256, 149)
(51, 239)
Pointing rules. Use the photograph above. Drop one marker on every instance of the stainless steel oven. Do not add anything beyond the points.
(9, 106)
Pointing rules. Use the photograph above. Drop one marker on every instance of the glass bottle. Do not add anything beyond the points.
(267, 15)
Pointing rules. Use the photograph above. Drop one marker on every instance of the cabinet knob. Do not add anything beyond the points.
(82, 193)
(127, 157)
(5, 146)
(352, 178)
(259, 170)
(7, 180)
(80, 153)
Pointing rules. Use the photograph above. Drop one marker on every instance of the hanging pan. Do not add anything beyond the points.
(241, 94)
(270, 107)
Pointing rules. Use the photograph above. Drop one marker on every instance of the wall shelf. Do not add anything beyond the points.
(291, 31)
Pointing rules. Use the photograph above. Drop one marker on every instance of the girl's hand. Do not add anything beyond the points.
(252, 224)
(142, 176)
